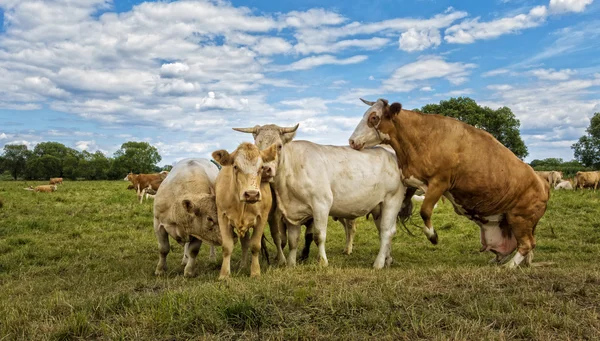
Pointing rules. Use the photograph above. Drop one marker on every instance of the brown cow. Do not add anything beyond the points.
(56, 181)
(482, 178)
(587, 179)
(142, 182)
(43, 188)
(243, 201)
(552, 177)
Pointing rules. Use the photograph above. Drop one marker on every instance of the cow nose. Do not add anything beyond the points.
(354, 145)
(252, 195)
(268, 171)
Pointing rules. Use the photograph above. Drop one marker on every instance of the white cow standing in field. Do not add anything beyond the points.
(185, 209)
(316, 181)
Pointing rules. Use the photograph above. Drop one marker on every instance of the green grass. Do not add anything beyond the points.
(78, 264)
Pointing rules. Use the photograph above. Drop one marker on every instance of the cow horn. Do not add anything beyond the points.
(369, 103)
(252, 130)
(287, 130)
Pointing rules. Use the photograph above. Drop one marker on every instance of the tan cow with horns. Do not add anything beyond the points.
(482, 178)
(243, 201)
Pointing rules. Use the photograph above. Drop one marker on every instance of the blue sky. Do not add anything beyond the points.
(93, 74)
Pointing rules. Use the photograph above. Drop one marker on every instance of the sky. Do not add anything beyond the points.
(93, 74)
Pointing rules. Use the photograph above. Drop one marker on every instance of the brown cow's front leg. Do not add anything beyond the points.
(227, 236)
(433, 194)
(523, 231)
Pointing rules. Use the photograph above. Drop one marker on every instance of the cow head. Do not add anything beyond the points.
(376, 126)
(130, 177)
(267, 135)
(247, 166)
(201, 211)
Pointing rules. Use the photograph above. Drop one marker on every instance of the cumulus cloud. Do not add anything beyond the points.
(499, 87)
(562, 6)
(496, 72)
(413, 40)
(553, 75)
(470, 30)
(410, 76)
(315, 61)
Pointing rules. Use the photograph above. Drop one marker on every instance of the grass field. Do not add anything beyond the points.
(79, 264)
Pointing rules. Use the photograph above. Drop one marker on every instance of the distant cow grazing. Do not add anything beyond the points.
(552, 177)
(185, 209)
(142, 182)
(56, 181)
(243, 201)
(482, 178)
(587, 179)
(43, 188)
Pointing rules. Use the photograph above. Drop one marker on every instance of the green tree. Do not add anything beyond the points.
(68, 158)
(93, 166)
(44, 167)
(587, 149)
(501, 123)
(137, 157)
(15, 159)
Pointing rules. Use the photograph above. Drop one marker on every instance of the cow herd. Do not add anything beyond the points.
(392, 153)
(581, 180)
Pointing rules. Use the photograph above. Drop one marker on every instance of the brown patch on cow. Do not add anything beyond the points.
(222, 157)
(392, 110)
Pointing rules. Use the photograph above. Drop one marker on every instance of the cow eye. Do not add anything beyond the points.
(235, 167)
(210, 220)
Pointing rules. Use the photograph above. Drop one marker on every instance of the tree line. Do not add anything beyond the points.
(53, 159)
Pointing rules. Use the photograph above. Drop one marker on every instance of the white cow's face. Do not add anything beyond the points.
(365, 134)
(376, 125)
(247, 163)
(267, 135)
(202, 217)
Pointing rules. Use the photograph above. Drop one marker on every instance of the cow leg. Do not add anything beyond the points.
(523, 231)
(386, 224)
(227, 236)
(255, 248)
(308, 239)
(212, 256)
(193, 247)
(433, 194)
(163, 248)
(350, 227)
(293, 234)
(186, 251)
(321, 217)
(275, 227)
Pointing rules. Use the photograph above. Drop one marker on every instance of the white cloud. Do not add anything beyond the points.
(553, 75)
(470, 30)
(312, 18)
(339, 82)
(3, 136)
(90, 146)
(272, 45)
(426, 88)
(371, 78)
(562, 6)
(413, 40)
(173, 70)
(314, 61)
(221, 101)
(499, 87)
(365, 44)
(456, 93)
(409, 76)
(496, 72)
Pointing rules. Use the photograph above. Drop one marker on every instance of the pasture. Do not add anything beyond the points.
(78, 264)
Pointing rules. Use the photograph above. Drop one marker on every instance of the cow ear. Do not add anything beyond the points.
(222, 157)
(188, 206)
(269, 154)
(393, 110)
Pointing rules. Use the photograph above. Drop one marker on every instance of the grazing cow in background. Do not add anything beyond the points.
(546, 175)
(185, 209)
(243, 201)
(142, 181)
(56, 181)
(43, 188)
(587, 179)
(315, 181)
(564, 185)
(482, 178)
(556, 177)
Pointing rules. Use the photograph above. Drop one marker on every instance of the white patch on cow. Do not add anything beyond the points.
(515, 261)
(368, 136)
(491, 234)
(414, 182)
(429, 232)
(248, 166)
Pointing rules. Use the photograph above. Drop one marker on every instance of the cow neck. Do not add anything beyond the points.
(406, 140)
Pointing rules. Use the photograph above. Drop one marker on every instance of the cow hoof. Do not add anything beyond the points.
(389, 261)
(223, 277)
(323, 262)
(189, 274)
(160, 272)
(281, 262)
(254, 275)
(347, 252)
(434, 239)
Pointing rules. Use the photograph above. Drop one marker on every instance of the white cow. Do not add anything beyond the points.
(316, 181)
(564, 185)
(185, 209)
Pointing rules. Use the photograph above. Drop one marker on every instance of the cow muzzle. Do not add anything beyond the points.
(355, 145)
(251, 196)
